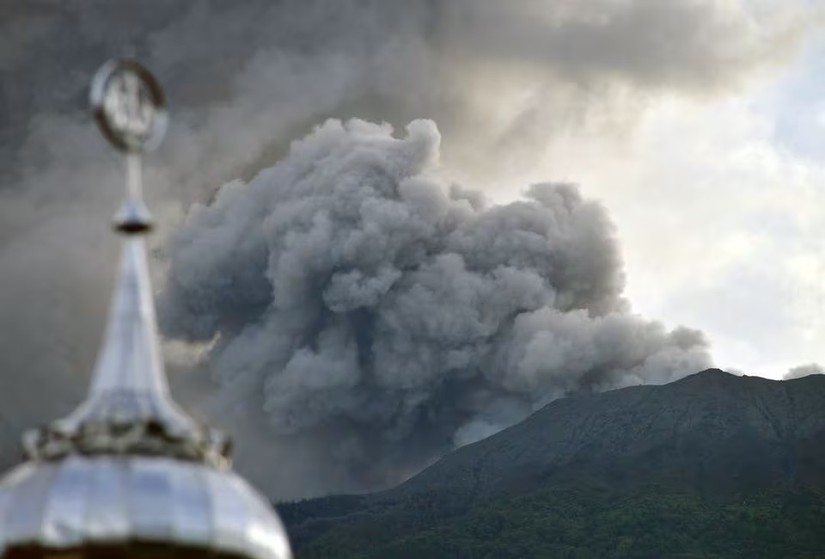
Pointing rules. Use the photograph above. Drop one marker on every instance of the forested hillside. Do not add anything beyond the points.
(713, 465)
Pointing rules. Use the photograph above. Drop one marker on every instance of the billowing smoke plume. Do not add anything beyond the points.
(244, 78)
(355, 292)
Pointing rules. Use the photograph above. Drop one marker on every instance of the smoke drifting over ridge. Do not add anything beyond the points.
(244, 78)
(804, 371)
(357, 293)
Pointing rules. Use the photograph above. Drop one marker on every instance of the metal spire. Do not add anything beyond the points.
(128, 474)
(129, 409)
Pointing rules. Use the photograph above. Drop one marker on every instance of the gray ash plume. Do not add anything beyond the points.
(363, 302)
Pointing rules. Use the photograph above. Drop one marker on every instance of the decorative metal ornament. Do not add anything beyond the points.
(129, 474)
(130, 109)
(129, 106)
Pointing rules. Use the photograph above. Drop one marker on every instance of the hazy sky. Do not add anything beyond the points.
(720, 208)
(719, 201)
(697, 124)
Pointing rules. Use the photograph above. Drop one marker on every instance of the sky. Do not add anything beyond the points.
(729, 237)
(717, 201)
(691, 130)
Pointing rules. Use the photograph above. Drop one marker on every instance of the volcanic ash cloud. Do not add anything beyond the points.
(349, 290)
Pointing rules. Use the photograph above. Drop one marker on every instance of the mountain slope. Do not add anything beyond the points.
(710, 431)
(710, 451)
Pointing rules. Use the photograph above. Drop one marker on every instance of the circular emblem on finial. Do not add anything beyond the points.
(129, 106)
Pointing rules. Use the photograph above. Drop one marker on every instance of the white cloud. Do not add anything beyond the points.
(720, 222)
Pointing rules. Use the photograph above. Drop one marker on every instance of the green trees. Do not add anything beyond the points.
(784, 522)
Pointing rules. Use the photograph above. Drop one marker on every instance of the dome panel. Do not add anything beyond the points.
(191, 507)
(23, 517)
(5, 502)
(107, 517)
(150, 498)
(82, 503)
(64, 515)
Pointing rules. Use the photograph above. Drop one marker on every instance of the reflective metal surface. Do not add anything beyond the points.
(130, 474)
(129, 409)
(87, 501)
(129, 105)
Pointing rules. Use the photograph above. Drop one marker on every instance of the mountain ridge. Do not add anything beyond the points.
(692, 402)
(712, 438)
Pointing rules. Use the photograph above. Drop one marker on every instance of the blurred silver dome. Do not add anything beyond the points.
(82, 503)
(129, 473)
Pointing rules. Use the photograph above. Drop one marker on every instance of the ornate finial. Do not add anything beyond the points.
(129, 473)
(129, 410)
(130, 109)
